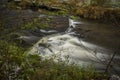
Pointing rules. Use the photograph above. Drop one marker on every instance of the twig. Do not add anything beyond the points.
(108, 66)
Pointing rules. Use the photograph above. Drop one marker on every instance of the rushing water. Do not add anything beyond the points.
(79, 51)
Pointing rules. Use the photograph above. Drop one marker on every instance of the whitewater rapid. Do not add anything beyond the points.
(79, 51)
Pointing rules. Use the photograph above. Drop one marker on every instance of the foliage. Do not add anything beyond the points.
(96, 12)
(16, 63)
(36, 23)
(98, 2)
(11, 62)
(96, 9)
(11, 5)
(63, 72)
(25, 4)
(91, 12)
(74, 17)
(49, 2)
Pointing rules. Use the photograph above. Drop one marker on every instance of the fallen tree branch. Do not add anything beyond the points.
(109, 64)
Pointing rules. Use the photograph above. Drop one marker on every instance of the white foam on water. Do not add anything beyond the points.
(68, 45)
(79, 51)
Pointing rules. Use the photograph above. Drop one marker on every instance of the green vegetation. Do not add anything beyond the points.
(98, 2)
(96, 12)
(36, 23)
(95, 9)
(11, 34)
(74, 17)
(11, 58)
(16, 64)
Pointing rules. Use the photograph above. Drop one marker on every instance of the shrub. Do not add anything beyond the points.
(15, 63)
(96, 12)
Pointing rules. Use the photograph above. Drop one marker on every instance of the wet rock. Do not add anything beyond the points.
(114, 77)
(29, 39)
(57, 23)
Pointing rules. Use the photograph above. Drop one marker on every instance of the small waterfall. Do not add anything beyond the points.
(72, 25)
(79, 51)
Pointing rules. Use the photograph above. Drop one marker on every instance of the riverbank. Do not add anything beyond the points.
(94, 31)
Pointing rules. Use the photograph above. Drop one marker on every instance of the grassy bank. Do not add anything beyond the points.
(96, 12)
(16, 64)
(74, 7)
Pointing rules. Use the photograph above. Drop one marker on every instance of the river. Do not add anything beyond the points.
(72, 45)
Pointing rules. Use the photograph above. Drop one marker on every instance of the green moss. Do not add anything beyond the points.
(74, 17)
(36, 23)
(11, 5)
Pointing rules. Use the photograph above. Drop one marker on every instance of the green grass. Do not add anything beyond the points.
(34, 67)
(94, 11)
(74, 17)
(36, 23)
